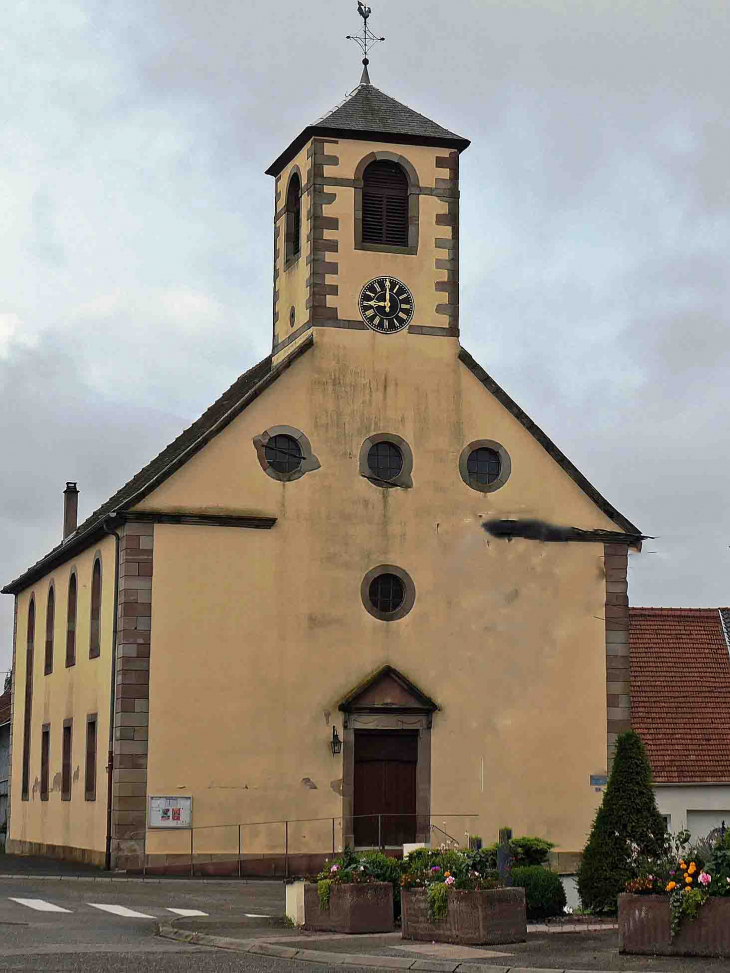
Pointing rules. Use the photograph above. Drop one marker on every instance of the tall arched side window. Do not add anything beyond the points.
(293, 219)
(387, 204)
(95, 636)
(27, 716)
(71, 622)
(50, 625)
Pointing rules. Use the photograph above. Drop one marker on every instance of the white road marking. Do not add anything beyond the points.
(188, 912)
(120, 910)
(39, 905)
(255, 915)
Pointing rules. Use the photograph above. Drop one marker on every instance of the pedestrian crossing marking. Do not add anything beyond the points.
(39, 905)
(255, 915)
(120, 910)
(188, 912)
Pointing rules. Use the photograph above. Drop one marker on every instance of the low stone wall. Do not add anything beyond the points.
(644, 928)
(352, 908)
(474, 918)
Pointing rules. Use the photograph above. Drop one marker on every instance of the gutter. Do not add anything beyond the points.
(112, 696)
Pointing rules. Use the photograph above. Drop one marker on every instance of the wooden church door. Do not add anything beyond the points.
(384, 803)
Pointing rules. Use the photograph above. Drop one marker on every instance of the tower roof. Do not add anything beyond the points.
(369, 114)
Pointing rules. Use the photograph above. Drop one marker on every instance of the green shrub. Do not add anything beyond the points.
(627, 827)
(384, 869)
(530, 851)
(544, 892)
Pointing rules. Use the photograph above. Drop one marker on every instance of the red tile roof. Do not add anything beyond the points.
(680, 692)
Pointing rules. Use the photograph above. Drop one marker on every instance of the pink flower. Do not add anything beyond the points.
(704, 878)
(450, 880)
(335, 868)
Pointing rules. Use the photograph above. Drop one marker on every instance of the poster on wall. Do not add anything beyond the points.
(171, 812)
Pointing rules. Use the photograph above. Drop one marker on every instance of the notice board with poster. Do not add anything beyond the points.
(171, 812)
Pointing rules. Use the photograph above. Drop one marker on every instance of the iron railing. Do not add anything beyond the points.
(242, 851)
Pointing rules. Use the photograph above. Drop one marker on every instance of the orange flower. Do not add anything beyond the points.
(447, 874)
(683, 866)
(671, 886)
(692, 868)
(688, 879)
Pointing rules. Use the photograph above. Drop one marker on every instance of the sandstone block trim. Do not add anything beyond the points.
(131, 707)
(447, 189)
(618, 675)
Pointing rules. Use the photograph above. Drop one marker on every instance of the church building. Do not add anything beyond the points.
(362, 600)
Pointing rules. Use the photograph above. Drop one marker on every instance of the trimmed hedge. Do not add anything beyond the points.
(627, 825)
(544, 892)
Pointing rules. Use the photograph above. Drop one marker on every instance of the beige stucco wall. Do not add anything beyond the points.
(257, 635)
(291, 282)
(72, 693)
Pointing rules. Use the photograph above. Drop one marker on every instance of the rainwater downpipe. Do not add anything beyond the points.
(112, 696)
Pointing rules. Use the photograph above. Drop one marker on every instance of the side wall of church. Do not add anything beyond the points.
(258, 635)
(75, 828)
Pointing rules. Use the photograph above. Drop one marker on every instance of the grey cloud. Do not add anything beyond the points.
(135, 247)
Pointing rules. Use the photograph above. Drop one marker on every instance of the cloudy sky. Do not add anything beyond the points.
(135, 234)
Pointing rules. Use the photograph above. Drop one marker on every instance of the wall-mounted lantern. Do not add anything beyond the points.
(336, 742)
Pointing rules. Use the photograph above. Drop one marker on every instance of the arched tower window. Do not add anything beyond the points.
(294, 218)
(50, 624)
(27, 716)
(71, 622)
(385, 204)
(94, 639)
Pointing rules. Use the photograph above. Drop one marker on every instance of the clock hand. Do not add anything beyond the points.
(374, 304)
(387, 294)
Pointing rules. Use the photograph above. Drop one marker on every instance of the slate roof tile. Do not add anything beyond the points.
(680, 692)
(368, 109)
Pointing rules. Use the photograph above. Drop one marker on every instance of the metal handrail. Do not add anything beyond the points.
(286, 823)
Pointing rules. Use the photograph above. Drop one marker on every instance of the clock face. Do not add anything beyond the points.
(386, 305)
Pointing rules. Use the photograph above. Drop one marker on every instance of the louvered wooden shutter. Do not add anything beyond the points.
(385, 205)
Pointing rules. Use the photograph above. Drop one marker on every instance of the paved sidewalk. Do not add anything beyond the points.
(569, 953)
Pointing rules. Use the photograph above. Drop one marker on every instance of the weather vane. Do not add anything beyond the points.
(365, 39)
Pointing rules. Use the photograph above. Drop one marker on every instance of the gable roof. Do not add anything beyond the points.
(549, 446)
(369, 114)
(5, 701)
(680, 692)
(243, 391)
(230, 405)
(387, 688)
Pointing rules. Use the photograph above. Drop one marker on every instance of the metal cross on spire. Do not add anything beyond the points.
(365, 39)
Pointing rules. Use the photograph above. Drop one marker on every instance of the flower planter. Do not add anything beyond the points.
(474, 918)
(353, 908)
(644, 928)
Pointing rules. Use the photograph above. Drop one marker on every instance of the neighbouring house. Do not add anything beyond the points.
(364, 593)
(680, 706)
(5, 701)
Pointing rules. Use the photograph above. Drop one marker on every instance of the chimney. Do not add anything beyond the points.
(70, 509)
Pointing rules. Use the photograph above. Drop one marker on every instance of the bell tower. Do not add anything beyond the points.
(366, 224)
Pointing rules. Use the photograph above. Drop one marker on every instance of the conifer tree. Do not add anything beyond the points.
(627, 823)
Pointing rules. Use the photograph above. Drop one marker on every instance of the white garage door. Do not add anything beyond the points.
(701, 823)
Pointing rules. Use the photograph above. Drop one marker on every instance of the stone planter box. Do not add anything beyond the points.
(353, 908)
(644, 928)
(480, 918)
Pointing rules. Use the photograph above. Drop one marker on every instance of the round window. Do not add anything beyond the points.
(385, 461)
(283, 454)
(484, 465)
(387, 593)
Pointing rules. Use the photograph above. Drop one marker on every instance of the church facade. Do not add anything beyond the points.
(363, 594)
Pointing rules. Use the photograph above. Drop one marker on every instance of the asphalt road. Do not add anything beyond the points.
(60, 926)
